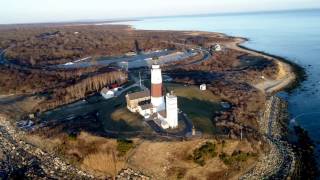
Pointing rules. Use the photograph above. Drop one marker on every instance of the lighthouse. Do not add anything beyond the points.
(157, 99)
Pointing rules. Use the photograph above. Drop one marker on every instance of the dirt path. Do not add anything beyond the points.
(285, 74)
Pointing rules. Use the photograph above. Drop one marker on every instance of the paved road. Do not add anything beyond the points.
(137, 59)
(181, 134)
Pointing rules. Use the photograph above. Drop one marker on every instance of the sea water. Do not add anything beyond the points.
(294, 35)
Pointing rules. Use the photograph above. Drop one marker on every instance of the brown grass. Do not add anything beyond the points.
(16, 106)
(87, 151)
(160, 160)
(221, 175)
(103, 162)
(47, 144)
(170, 160)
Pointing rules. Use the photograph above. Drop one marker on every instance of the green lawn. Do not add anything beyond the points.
(200, 106)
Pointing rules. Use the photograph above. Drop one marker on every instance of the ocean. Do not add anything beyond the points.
(294, 35)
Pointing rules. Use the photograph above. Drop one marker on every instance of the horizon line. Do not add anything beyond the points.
(139, 18)
(233, 13)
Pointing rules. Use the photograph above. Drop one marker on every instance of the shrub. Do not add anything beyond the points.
(123, 146)
(236, 157)
(204, 152)
(225, 158)
(72, 137)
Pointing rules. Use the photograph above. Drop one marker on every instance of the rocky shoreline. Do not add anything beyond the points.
(279, 162)
(19, 159)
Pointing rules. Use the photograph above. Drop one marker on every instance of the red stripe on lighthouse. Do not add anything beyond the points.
(156, 90)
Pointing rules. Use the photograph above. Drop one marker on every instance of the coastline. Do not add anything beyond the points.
(299, 71)
(292, 74)
(282, 151)
(287, 77)
(281, 160)
(301, 164)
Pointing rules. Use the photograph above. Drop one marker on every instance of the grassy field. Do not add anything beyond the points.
(199, 105)
(191, 92)
(173, 160)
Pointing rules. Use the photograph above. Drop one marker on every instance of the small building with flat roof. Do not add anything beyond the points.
(133, 99)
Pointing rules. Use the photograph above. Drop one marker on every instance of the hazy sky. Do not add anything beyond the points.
(24, 11)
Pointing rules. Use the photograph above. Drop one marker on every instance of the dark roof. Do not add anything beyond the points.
(139, 95)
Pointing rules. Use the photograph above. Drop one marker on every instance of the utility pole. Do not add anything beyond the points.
(127, 66)
(139, 79)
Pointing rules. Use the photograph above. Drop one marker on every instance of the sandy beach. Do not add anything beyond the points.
(285, 76)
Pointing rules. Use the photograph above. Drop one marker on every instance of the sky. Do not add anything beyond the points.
(32, 11)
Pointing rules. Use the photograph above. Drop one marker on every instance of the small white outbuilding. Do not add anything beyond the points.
(203, 87)
(107, 94)
(217, 47)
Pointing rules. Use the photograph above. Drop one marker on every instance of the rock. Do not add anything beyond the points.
(1, 155)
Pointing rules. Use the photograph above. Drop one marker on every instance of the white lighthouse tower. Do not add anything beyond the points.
(172, 110)
(157, 99)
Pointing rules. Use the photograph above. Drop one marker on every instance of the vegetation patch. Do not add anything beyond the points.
(72, 137)
(206, 151)
(235, 157)
(123, 146)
